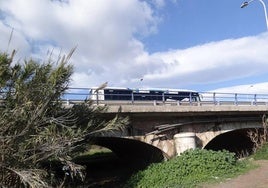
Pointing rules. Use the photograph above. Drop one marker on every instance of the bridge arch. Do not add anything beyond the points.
(130, 149)
(236, 140)
(206, 133)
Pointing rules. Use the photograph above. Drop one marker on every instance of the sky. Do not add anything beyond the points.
(202, 45)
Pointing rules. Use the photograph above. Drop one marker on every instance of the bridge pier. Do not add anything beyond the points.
(184, 141)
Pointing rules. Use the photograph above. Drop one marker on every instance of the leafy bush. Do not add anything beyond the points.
(188, 170)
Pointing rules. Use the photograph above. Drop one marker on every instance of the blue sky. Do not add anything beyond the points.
(192, 22)
(203, 45)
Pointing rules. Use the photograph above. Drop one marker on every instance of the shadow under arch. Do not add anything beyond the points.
(130, 149)
(236, 141)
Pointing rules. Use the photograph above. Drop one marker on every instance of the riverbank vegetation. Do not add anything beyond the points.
(261, 153)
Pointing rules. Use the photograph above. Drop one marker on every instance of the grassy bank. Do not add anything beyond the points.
(261, 153)
(190, 169)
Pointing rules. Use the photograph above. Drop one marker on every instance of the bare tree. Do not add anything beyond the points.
(257, 136)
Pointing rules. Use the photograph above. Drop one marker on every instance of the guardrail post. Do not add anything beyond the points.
(190, 97)
(97, 97)
(132, 97)
(163, 98)
(235, 98)
(214, 98)
(255, 99)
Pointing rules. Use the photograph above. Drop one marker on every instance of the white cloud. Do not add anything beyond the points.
(257, 88)
(104, 32)
(213, 62)
(107, 35)
(7, 38)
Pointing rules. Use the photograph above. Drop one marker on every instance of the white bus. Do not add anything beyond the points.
(128, 94)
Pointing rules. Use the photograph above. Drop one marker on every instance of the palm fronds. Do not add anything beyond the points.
(35, 128)
(34, 178)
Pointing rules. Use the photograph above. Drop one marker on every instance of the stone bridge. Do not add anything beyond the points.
(165, 131)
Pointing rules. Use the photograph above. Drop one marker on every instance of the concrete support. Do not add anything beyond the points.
(184, 141)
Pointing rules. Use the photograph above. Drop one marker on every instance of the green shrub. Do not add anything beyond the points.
(188, 170)
(262, 153)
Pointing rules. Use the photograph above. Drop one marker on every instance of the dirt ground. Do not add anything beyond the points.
(256, 178)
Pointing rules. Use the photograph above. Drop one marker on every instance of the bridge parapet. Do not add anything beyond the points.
(179, 110)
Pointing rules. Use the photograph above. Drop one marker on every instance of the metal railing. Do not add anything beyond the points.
(75, 95)
(143, 97)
